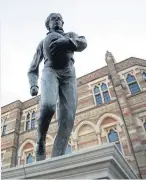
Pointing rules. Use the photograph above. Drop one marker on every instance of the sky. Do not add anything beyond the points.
(115, 25)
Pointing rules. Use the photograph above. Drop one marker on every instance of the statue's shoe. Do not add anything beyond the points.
(40, 152)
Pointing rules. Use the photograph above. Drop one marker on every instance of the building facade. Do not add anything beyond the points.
(111, 108)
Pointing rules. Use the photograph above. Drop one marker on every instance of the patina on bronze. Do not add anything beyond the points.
(58, 82)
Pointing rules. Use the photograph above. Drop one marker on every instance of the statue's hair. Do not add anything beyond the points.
(48, 19)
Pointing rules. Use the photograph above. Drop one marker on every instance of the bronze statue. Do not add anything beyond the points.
(58, 81)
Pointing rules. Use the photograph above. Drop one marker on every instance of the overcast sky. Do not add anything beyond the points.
(115, 25)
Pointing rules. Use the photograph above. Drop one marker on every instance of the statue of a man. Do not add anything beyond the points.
(58, 82)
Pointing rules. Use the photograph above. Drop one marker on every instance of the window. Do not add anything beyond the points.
(27, 125)
(101, 94)
(30, 120)
(33, 115)
(133, 85)
(29, 159)
(33, 120)
(4, 130)
(113, 137)
(68, 149)
(144, 125)
(32, 123)
(97, 95)
(2, 157)
(105, 93)
(3, 126)
(144, 75)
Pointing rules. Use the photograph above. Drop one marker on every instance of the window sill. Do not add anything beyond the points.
(29, 130)
(131, 95)
(105, 103)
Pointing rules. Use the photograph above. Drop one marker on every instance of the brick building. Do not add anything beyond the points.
(111, 108)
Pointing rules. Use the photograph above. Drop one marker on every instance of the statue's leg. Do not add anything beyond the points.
(66, 113)
(49, 93)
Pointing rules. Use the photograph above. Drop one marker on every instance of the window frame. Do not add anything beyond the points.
(30, 113)
(4, 130)
(70, 149)
(26, 157)
(3, 124)
(114, 128)
(101, 93)
(133, 82)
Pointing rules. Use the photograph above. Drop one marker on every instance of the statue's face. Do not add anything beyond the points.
(55, 22)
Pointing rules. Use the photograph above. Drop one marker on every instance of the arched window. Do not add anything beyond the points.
(28, 117)
(144, 75)
(29, 159)
(132, 83)
(33, 116)
(101, 94)
(105, 93)
(113, 137)
(97, 95)
(68, 149)
(28, 121)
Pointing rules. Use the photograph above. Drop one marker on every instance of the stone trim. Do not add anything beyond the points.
(92, 163)
(75, 133)
(99, 73)
(23, 144)
(9, 107)
(105, 115)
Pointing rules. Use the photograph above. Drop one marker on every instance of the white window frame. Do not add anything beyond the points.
(26, 153)
(30, 112)
(127, 84)
(108, 129)
(101, 93)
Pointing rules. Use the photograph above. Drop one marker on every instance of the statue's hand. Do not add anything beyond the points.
(34, 90)
(60, 44)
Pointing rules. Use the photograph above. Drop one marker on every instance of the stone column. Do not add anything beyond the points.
(99, 138)
(124, 107)
(76, 144)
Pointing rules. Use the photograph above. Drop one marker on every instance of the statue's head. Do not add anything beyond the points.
(54, 21)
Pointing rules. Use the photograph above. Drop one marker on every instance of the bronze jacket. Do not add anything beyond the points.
(61, 61)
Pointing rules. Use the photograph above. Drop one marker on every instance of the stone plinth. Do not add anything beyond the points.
(103, 161)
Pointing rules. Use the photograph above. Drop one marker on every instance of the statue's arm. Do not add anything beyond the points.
(79, 42)
(33, 72)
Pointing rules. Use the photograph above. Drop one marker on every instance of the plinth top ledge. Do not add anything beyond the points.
(102, 161)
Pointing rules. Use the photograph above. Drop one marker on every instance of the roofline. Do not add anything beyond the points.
(11, 103)
(77, 79)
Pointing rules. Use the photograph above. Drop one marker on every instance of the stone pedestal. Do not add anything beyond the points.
(104, 161)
